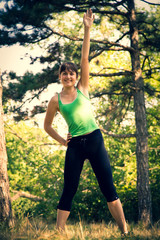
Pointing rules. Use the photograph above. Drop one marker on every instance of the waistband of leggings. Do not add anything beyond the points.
(92, 135)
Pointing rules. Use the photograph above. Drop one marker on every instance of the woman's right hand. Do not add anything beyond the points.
(88, 18)
(69, 136)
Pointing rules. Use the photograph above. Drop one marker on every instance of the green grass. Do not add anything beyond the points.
(39, 229)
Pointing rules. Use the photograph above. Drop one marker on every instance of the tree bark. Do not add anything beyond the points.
(6, 216)
(143, 188)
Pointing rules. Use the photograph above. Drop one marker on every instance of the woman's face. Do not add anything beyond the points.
(68, 78)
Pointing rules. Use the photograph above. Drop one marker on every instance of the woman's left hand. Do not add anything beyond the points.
(69, 136)
(88, 18)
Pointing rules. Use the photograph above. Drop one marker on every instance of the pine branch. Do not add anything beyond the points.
(97, 54)
(122, 73)
(122, 37)
(125, 73)
(118, 135)
(31, 98)
(153, 115)
(150, 2)
(150, 69)
(74, 38)
(108, 93)
(96, 10)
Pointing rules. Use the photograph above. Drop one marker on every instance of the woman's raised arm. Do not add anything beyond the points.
(84, 79)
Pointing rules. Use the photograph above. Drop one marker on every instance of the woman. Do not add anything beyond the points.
(84, 140)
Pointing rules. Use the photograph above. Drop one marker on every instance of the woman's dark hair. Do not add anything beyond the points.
(68, 66)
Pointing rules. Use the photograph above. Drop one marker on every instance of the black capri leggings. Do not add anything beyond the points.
(89, 147)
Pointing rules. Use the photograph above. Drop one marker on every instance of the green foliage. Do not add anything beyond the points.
(37, 168)
(154, 155)
(30, 169)
(148, 26)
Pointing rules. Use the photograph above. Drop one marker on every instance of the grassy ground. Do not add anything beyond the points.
(38, 229)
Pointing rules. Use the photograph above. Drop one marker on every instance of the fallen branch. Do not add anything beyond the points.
(26, 195)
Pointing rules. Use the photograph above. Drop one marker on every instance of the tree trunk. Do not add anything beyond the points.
(143, 188)
(5, 201)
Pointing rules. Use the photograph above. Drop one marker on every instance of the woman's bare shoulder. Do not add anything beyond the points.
(54, 101)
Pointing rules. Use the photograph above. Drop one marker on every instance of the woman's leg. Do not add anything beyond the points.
(101, 166)
(116, 210)
(62, 217)
(73, 166)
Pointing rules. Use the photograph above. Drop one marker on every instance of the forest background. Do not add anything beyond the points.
(35, 162)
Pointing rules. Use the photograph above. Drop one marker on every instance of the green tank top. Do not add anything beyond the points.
(78, 115)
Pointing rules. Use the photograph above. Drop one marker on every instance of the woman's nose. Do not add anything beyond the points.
(68, 75)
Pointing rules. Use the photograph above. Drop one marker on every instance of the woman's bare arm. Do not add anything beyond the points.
(51, 111)
(84, 80)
